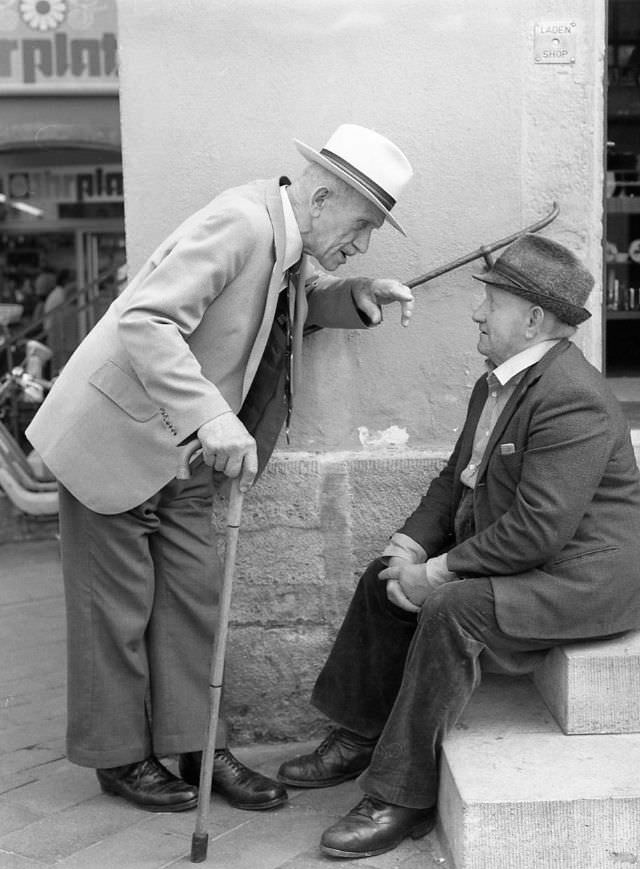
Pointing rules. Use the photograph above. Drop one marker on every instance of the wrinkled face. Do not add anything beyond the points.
(503, 320)
(341, 227)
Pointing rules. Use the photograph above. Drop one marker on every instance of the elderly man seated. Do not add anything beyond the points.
(529, 538)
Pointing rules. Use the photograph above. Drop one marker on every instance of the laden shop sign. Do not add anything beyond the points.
(58, 45)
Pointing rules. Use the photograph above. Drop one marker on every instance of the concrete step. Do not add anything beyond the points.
(518, 793)
(594, 687)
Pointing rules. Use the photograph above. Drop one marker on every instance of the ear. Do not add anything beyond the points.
(318, 200)
(535, 320)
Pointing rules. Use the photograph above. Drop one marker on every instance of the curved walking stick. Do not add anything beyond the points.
(200, 838)
(485, 250)
(186, 454)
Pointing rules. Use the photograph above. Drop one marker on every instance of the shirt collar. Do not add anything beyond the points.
(525, 359)
(293, 239)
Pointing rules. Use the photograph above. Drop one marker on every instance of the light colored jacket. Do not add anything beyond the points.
(179, 347)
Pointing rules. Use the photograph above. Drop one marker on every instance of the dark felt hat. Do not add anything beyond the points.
(545, 273)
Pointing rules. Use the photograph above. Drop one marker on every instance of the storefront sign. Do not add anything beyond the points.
(58, 45)
(50, 187)
(555, 42)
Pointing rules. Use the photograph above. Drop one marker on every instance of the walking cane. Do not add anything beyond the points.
(486, 250)
(200, 837)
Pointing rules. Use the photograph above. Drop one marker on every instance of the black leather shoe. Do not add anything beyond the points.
(240, 786)
(149, 785)
(342, 755)
(373, 827)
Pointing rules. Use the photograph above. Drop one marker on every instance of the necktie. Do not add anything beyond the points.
(268, 404)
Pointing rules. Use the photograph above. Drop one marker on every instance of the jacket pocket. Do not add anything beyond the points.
(506, 468)
(124, 391)
(587, 553)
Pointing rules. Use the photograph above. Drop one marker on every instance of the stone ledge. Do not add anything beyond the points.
(516, 792)
(594, 687)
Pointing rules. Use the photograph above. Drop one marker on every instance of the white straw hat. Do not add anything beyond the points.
(367, 161)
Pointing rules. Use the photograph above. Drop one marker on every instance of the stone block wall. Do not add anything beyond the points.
(309, 527)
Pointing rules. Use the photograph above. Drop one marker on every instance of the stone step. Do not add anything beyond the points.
(518, 793)
(594, 687)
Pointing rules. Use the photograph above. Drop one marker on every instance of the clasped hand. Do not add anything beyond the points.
(228, 447)
(407, 585)
(371, 295)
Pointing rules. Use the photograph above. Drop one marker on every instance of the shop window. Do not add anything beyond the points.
(622, 253)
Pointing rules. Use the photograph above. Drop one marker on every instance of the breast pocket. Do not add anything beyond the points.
(127, 393)
(507, 465)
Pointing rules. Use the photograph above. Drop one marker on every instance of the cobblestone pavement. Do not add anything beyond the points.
(53, 813)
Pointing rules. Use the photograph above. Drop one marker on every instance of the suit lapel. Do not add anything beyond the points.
(273, 204)
(532, 375)
(299, 316)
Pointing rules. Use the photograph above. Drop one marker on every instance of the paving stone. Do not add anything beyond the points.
(15, 817)
(50, 702)
(266, 841)
(15, 861)
(62, 834)
(23, 736)
(313, 859)
(27, 760)
(57, 789)
(137, 847)
(335, 801)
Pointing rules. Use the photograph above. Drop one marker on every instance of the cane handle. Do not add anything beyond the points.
(186, 454)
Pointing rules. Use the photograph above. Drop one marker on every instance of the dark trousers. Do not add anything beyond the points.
(405, 679)
(141, 592)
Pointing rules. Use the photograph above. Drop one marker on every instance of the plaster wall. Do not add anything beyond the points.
(212, 96)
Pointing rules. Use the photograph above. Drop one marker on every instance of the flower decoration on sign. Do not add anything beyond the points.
(43, 14)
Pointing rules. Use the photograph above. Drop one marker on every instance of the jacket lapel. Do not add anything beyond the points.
(273, 203)
(532, 375)
(300, 308)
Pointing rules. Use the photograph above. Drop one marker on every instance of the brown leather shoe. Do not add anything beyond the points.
(240, 786)
(150, 785)
(373, 827)
(341, 756)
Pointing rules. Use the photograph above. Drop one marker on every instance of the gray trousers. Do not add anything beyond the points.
(141, 592)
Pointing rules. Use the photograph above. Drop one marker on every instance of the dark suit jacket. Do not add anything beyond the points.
(557, 514)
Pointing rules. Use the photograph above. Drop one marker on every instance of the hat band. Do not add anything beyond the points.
(385, 198)
(531, 286)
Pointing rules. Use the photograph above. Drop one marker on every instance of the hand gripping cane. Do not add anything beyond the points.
(200, 837)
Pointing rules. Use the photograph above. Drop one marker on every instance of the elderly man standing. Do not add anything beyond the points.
(528, 538)
(199, 344)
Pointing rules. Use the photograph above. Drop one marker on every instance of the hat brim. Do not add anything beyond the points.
(316, 157)
(573, 315)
